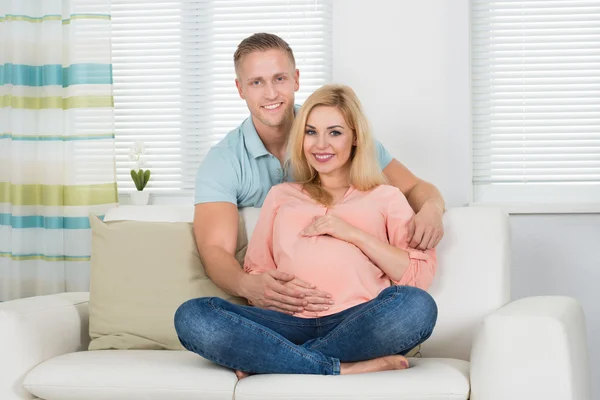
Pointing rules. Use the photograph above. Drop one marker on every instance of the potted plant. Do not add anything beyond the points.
(139, 176)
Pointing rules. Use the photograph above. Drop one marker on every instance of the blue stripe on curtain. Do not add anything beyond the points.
(55, 74)
(40, 221)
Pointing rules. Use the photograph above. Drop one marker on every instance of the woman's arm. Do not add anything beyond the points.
(390, 259)
(409, 267)
(422, 263)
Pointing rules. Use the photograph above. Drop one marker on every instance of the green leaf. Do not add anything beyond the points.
(136, 180)
(146, 178)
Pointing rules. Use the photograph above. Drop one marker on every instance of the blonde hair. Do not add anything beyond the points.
(261, 42)
(365, 173)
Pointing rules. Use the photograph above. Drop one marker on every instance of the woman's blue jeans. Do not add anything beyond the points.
(255, 340)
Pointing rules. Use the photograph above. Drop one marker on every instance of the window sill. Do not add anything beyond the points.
(160, 199)
(533, 208)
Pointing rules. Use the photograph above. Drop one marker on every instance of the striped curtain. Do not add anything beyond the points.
(57, 161)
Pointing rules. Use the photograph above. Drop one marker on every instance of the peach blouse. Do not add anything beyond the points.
(333, 265)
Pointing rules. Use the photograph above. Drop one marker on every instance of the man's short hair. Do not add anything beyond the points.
(261, 42)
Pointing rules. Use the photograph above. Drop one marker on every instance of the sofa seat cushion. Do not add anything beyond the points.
(426, 379)
(181, 375)
(130, 375)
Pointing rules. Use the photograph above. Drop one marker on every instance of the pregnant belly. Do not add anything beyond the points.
(333, 265)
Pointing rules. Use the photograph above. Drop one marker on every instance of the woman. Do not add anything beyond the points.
(343, 229)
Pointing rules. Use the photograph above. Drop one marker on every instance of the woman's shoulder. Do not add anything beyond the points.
(387, 192)
(287, 187)
(287, 190)
(387, 197)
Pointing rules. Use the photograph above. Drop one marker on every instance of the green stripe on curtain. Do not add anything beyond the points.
(58, 195)
(55, 74)
(26, 257)
(86, 16)
(39, 103)
(13, 17)
(57, 138)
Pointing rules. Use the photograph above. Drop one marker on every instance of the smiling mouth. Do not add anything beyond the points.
(323, 157)
(272, 106)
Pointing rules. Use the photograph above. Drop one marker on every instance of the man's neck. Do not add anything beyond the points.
(274, 137)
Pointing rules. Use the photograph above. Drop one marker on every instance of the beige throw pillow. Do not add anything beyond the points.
(141, 272)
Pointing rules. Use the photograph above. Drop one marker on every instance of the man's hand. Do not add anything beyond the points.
(333, 226)
(279, 291)
(425, 229)
(317, 299)
(269, 291)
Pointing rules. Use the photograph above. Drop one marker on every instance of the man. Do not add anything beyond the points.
(239, 171)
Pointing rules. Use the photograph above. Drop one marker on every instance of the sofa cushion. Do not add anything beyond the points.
(131, 375)
(426, 379)
(179, 375)
(140, 273)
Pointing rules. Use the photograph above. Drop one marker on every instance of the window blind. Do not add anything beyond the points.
(173, 76)
(535, 69)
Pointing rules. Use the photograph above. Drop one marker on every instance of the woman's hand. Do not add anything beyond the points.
(333, 226)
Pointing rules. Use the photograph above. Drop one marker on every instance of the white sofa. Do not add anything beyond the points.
(483, 347)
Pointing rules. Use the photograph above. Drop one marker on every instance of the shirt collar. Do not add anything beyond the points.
(253, 142)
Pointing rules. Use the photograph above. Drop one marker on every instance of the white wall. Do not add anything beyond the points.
(409, 63)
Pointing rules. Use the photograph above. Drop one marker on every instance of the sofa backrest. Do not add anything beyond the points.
(472, 275)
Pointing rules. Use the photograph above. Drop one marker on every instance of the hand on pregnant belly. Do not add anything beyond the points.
(317, 300)
(333, 226)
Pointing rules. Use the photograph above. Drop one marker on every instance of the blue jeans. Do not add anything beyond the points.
(255, 340)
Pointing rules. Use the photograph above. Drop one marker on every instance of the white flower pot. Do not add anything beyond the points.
(139, 198)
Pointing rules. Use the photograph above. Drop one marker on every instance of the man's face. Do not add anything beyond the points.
(267, 81)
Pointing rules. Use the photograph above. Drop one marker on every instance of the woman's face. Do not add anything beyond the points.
(328, 141)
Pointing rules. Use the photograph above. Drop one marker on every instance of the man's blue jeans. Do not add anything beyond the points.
(255, 340)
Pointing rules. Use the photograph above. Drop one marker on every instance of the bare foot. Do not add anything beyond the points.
(240, 374)
(377, 364)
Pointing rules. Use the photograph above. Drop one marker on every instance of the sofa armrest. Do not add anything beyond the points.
(532, 348)
(35, 329)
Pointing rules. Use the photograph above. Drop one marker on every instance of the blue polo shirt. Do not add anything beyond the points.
(240, 170)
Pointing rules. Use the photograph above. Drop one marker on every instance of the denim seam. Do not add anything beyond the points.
(279, 321)
(238, 319)
(419, 339)
(336, 332)
(336, 367)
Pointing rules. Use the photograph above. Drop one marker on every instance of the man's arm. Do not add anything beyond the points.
(215, 229)
(425, 229)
